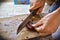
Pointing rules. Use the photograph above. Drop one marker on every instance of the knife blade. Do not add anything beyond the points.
(21, 26)
(25, 22)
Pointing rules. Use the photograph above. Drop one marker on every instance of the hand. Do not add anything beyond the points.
(34, 4)
(48, 24)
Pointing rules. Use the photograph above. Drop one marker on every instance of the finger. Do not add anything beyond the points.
(40, 10)
(40, 29)
(39, 23)
(29, 25)
(35, 6)
(43, 31)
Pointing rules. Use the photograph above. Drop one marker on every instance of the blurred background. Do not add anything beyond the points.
(22, 2)
(8, 9)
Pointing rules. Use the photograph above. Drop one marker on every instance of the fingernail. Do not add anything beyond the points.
(33, 25)
(37, 29)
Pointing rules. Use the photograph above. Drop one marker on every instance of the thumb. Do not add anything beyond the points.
(35, 6)
(40, 10)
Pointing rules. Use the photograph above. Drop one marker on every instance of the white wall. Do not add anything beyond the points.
(8, 9)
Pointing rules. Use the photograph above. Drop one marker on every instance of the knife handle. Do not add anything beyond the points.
(34, 12)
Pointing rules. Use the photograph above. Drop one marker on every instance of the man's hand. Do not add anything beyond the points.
(34, 4)
(48, 24)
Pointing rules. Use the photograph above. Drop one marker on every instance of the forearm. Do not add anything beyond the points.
(56, 14)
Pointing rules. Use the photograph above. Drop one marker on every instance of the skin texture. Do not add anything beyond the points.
(34, 5)
(48, 24)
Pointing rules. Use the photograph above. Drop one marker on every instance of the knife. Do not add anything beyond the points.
(22, 25)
